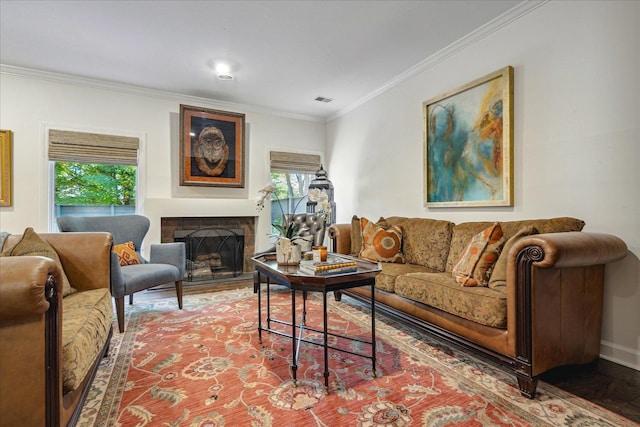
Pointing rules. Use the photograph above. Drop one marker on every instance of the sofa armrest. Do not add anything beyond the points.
(571, 249)
(23, 282)
(555, 287)
(30, 337)
(169, 253)
(340, 235)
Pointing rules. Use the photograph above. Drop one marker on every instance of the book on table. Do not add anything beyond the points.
(333, 265)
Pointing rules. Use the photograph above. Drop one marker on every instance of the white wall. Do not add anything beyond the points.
(29, 105)
(577, 138)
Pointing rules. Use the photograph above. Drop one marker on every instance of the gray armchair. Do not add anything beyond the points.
(166, 262)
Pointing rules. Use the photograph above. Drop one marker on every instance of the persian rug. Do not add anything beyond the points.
(204, 366)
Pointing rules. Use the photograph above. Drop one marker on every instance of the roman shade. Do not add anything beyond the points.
(294, 162)
(82, 147)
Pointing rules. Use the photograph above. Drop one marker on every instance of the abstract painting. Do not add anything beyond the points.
(468, 144)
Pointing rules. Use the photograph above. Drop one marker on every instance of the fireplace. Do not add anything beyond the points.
(216, 247)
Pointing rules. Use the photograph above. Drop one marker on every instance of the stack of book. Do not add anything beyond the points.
(331, 266)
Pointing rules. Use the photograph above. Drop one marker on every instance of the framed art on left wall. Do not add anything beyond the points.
(212, 147)
(5, 165)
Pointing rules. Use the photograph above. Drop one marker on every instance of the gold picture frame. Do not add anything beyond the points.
(212, 147)
(5, 167)
(468, 144)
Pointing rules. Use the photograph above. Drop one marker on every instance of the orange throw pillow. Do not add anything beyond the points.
(477, 261)
(380, 244)
(126, 253)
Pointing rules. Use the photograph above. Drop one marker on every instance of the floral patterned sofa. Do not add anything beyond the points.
(537, 306)
(55, 323)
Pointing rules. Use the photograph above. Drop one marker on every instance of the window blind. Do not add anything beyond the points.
(82, 147)
(294, 162)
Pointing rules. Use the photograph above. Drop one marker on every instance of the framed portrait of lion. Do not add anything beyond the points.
(212, 147)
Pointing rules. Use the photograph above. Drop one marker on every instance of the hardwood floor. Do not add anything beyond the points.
(604, 383)
(607, 384)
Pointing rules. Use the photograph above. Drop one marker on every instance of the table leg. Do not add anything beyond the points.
(257, 287)
(294, 356)
(326, 351)
(268, 303)
(373, 330)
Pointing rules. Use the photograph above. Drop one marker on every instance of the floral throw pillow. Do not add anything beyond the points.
(479, 257)
(126, 253)
(381, 244)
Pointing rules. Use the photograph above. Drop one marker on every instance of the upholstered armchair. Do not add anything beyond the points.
(166, 262)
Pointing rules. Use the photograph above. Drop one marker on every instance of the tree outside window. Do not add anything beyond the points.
(94, 189)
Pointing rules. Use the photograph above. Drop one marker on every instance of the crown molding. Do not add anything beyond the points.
(473, 37)
(143, 91)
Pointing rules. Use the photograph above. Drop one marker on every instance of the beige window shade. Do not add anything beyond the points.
(67, 146)
(294, 162)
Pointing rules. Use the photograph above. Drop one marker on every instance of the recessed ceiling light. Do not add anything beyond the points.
(323, 99)
(223, 71)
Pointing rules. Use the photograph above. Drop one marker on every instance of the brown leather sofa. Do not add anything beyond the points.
(546, 311)
(50, 345)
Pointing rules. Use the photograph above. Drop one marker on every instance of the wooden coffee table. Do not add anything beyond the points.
(298, 281)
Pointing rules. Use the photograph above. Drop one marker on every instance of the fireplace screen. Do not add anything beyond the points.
(212, 253)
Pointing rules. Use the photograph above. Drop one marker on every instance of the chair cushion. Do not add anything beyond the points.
(86, 321)
(142, 276)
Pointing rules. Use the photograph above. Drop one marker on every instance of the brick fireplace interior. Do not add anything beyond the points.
(217, 247)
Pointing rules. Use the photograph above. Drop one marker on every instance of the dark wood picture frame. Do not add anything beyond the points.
(212, 147)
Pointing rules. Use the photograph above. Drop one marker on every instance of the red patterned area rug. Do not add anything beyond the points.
(203, 366)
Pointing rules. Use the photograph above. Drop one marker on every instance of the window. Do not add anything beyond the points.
(291, 173)
(90, 189)
(93, 174)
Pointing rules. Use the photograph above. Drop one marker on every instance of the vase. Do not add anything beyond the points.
(287, 252)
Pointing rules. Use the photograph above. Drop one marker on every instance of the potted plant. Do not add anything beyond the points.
(289, 240)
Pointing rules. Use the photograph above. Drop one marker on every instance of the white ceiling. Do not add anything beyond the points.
(283, 54)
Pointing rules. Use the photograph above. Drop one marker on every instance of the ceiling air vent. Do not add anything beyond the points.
(323, 99)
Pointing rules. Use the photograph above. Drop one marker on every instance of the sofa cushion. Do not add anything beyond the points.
(440, 290)
(386, 279)
(126, 253)
(381, 244)
(86, 321)
(498, 278)
(33, 245)
(425, 241)
(356, 234)
(478, 259)
(463, 232)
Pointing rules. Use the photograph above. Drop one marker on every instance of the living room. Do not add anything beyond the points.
(576, 139)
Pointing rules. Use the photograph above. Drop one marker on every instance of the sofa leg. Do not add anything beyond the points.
(179, 293)
(120, 312)
(337, 295)
(130, 299)
(527, 385)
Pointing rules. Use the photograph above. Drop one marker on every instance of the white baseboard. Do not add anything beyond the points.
(621, 355)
